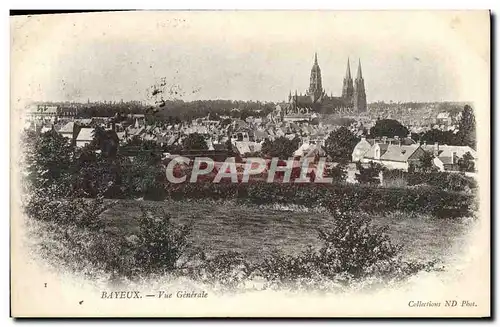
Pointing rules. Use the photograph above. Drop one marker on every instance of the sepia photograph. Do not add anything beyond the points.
(237, 163)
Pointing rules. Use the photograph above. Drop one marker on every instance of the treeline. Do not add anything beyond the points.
(452, 107)
(187, 111)
(106, 109)
(171, 110)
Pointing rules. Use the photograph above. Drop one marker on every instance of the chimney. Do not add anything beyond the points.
(453, 154)
(436, 149)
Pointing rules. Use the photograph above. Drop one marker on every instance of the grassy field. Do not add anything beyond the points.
(257, 230)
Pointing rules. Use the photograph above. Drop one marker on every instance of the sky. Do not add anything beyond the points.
(405, 56)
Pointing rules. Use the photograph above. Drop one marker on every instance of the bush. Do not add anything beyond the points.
(78, 225)
(456, 182)
(159, 243)
(338, 173)
(353, 250)
(45, 205)
(281, 147)
(226, 270)
(368, 175)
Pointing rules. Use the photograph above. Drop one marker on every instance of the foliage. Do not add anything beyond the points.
(145, 175)
(137, 141)
(448, 181)
(338, 173)
(438, 136)
(105, 140)
(368, 175)
(467, 128)
(352, 250)
(388, 128)
(444, 180)
(95, 174)
(340, 144)
(426, 162)
(426, 200)
(194, 141)
(281, 147)
(394, 177)
(48, 159)
(229, 146)
(467, 163)
(159, 243)
(78, 225)
(47, 205)
(227, 270)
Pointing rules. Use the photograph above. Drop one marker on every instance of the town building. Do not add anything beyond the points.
(446, 157)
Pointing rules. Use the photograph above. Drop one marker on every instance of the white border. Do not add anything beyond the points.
(191, 4)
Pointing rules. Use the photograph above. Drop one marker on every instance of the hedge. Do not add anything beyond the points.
(452, 181)
(345, 197)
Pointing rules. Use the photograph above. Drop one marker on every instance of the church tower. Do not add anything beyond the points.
(359, 91)
(315, 86)
(348, 87)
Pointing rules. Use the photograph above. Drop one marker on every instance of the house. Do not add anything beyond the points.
(394, 156)
(41, 112)
(446, 156)
(67, 130)
(361, 148)
(85, 136)
(365, 144)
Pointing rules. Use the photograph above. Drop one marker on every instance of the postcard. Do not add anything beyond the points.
(250, 164)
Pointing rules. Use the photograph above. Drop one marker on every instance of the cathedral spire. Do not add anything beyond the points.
(360, 74)
(359, 91)
(348, 87)
(348, 71)
(315, 90)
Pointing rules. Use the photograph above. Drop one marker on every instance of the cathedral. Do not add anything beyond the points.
(315, 99)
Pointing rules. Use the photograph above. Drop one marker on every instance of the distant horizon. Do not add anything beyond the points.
(237, 100)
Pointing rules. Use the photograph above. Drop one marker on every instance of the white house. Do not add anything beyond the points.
(85, 136)
(446, 156)
(394, 156)
(361, 148)
(67, 130)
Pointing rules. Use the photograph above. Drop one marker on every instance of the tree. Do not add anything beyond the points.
(368, 175)
(145, 175)
(49, 159)
(338, 173)
(467, 128)
(95, 174)
(426, 162)
(340, 144)
(466, 163)
(281, 147)
(389, 128)
(437, 136)
(107, 141)
(229, 146)
(194, 141)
